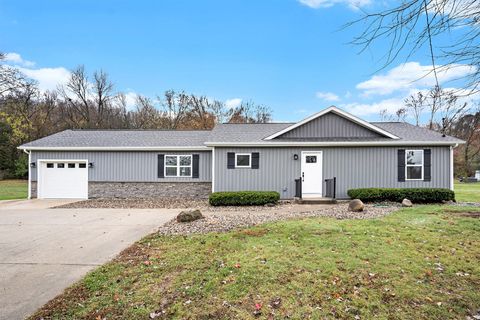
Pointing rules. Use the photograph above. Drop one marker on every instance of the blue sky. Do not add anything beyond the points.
(288, 54)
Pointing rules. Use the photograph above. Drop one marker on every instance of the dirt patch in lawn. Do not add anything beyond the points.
(468, 214)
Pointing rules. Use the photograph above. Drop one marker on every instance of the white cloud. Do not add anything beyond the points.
(327, 96)
(391, 105)
(47, 78)
(130, 100)
(233, 103)
(363, 109)
(409, 75)
(17, 59)
(317, 4)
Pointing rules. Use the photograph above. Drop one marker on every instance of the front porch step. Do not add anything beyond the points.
(315, 200)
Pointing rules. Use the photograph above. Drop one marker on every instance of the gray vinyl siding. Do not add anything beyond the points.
(127, 166)
(353, 168)
(330, 125)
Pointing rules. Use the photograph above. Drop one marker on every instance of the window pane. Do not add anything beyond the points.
(414, 157)
(185, 160)
(171, 171)
(49, 165)
(311, 159)
(414, 172)
(171, 160)
(71, 165)
(82, 165)
(243, 160)
(60, 165)
(185, 171)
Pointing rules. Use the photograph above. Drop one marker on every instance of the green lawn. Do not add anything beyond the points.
(418, 263)
(13, 189)
(469, 192)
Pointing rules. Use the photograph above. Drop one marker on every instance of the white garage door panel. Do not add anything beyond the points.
(67, 182)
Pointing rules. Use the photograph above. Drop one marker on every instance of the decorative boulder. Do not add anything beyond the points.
(189, 216)
(407, 203)
(356, 205)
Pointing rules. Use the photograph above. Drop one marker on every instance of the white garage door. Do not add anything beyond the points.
(63, 179)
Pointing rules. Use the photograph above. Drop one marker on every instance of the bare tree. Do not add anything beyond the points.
(175, 105)
(415, 24)
(249, 112)
(103, 94)
(146, 115)
(89, 104)
(415, 104)
(76, 95)
(11, 78)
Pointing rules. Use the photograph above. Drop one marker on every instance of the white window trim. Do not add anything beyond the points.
(178, 166)
(249, 160)
(414, 165)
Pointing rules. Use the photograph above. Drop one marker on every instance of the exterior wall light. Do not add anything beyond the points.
(33, 164)
(295, 157)
(90, 164)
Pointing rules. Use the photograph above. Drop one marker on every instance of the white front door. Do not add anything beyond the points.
(312, 179)
(62, 179)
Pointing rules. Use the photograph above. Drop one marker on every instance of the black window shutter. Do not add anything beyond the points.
(255, 160)
(230, 160)
(195, 165)
(401, 165)
(161, 160)
(427, 164)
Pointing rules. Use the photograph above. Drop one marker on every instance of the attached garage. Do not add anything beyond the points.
(62, 179)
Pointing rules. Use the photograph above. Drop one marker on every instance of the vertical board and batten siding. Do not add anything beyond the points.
(330, 125)
(359, 167)
(127, 166)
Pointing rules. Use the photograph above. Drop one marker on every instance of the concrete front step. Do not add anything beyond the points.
(315, 201)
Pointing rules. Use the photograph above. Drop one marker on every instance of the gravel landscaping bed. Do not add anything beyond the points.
(218, 220)
(165, 203)
(162, 203)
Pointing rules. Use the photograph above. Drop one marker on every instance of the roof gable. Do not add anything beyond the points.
(332, 123)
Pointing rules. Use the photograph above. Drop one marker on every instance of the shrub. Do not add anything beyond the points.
(243, 198)
(417, 195)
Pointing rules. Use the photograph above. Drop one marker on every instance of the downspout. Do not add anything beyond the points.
(29, 173)
(452, 178)
(213, 169)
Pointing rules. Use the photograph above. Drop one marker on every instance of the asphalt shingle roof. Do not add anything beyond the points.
(257, 132)
(234, 133)
(123, 138)
(245, 132)
(409, 132)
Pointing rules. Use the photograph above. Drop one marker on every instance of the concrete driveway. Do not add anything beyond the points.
(43, 251)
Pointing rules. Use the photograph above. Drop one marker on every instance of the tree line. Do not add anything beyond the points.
(91, 102)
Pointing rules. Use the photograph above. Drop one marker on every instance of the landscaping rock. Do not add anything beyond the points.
(407, 203)
(189, 216)
(356, 205)
(222, 219)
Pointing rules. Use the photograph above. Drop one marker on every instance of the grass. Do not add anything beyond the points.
(468, 192)
(417, 263)
(13, 189)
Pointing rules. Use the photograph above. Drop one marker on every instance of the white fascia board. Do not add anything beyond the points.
(332, 144)
(339, 112)
(199, 148)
